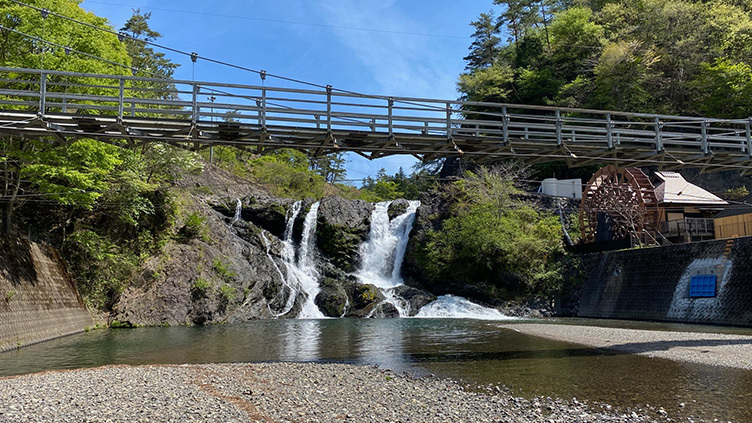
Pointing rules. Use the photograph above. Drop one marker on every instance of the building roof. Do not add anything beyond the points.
(674, 189)
(735, 210)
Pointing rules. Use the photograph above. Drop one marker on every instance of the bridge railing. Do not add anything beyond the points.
(151, 105)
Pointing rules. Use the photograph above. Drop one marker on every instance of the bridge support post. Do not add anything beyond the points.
(329, 110)
(609, 131)
(505, 125)
(42, 94)
(194, 104)
(449, 121)
(391, 118)
(121, 95)
(658, 135)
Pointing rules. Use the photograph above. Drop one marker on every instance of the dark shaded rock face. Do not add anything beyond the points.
(266, 212)
(342, 226)
(397, 207)
(414, 297)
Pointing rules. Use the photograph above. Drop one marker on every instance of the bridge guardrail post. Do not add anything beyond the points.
(609, 131)
(704, 139)
(42, 94)
(449, 120)
(559, 126)
(748, 133)
(658, 135)
(329, 109)
(391, 118)
(194, 115)
(121, 96)
(505, 125)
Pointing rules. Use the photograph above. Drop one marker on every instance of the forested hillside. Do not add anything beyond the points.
(655, 56)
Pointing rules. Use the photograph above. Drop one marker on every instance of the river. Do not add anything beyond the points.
(475, 351)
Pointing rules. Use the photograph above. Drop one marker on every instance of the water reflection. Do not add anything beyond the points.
(300, 340)
(478, 352)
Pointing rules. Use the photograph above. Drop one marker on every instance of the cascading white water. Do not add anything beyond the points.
(300, 270)
(384, 250)
(293, 292)
(238, 211)
(304, 270)
(450, 306)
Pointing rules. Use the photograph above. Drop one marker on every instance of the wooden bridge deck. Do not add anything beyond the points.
(129, 111)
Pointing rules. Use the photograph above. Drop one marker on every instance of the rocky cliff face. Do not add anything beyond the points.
(239, 269)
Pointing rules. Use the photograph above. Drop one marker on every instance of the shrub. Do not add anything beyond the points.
(195, 228)
(200, 288)
(227, 292)
(223, 269)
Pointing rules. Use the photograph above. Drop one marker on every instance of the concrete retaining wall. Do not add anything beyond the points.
(38, 300)
(653, 283)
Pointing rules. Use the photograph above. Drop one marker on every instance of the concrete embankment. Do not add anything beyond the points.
(657, 283)
(38, 300)
(275, 392)
(702, 348)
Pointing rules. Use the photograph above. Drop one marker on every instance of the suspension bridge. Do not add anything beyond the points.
(130, 111)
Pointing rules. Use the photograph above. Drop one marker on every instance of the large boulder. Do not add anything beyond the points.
(332, 300)
(364, 298)
(397, 207)
(414, 298)
(342, 226)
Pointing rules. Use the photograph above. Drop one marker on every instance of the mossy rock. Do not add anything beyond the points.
(331, 301)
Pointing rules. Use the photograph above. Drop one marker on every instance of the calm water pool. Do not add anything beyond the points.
(478, 352)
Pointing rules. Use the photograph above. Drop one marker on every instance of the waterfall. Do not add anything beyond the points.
(300, 274)
(293, 292)
(304, 269)
(301, 270)
(384, 250)
(238, 211)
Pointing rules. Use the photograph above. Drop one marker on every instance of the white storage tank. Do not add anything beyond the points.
(569, 188)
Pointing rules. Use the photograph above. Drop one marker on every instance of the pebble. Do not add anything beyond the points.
(275, 392)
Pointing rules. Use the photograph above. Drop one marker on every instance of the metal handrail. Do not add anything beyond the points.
(329, 119)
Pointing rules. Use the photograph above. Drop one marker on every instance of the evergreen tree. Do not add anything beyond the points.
(485, 46)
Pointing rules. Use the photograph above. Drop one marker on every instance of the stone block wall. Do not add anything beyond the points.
(653, 283)
(38, 300)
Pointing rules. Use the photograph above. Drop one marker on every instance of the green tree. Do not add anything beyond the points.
(494, 240)
(485, 46)
(330, 166)
(724, 89)
(144, 59)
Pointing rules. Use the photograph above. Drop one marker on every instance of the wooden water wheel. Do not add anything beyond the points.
(623, 201)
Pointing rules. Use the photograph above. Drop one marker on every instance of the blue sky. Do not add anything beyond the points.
(410, 48)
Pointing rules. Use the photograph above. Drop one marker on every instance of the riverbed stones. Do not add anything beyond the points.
(274, 392)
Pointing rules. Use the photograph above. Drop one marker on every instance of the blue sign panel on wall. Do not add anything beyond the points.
(702, 286)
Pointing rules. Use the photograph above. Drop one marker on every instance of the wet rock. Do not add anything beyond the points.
(342, 226)
(397, 207)
(385, 310)
(332, 299)
(269, 213)
(414, 297)
(363, 299)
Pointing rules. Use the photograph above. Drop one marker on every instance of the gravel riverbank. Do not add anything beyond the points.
(702, 348)
(278, 392)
